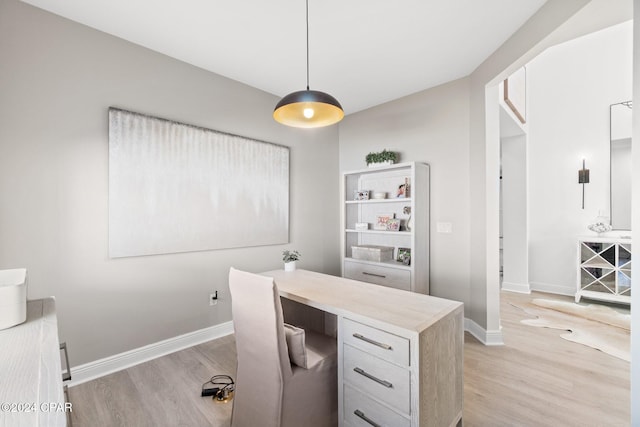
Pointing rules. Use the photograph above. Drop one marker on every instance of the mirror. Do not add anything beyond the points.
(620, 140)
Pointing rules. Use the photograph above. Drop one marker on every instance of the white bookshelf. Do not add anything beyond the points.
(413, 277)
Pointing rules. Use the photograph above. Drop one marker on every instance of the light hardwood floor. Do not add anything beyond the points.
(535, 379)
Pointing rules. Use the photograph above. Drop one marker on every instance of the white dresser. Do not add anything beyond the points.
(400, 354)
(31, 391)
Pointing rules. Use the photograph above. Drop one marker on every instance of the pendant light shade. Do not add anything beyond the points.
(308, 108)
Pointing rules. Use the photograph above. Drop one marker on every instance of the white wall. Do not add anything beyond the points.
(571, 87)
(515, 225)
(57, 80)
(432, 127)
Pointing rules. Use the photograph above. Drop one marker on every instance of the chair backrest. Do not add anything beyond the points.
(263, 360)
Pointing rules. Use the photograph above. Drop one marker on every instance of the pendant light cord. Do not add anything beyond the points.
(307, 44)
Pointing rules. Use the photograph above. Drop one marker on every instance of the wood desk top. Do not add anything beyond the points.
(337, 295)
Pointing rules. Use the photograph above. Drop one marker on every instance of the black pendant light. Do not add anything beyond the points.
(308, 108)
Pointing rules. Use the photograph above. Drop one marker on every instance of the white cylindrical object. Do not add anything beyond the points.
(13, 297)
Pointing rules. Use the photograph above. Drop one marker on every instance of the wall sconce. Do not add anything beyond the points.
(583, 178)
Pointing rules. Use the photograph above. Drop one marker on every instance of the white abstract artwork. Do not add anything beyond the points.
(179, 188)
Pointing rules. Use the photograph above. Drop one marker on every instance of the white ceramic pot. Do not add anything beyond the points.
(290, 266)
(377, 165)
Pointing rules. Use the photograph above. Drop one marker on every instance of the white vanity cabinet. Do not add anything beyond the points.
(604, 269)
(359, 220)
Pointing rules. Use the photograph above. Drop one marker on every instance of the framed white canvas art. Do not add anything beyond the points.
(174, 187)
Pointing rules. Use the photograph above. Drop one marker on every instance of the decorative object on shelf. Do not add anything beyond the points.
(362, 226)
(379, 195)
(600, 227)
(404, 256)
(382, 158)
(290, 258)
(583, 178)
(409, 223)
(372, 253)
(403, 189)
(13, 297)
(601, 224)
(393, 224)
(308, 108)
(382, 220)
(361, 195)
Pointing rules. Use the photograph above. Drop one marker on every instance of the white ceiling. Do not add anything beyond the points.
(363, 52)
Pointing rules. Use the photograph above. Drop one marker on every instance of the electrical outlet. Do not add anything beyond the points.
(213, 298)
(444, 227)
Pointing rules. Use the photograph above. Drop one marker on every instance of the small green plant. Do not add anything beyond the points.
(288, 256)
(381, 157)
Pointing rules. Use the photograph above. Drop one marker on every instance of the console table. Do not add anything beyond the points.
(31, 393)
(400, 354)
(604, 269)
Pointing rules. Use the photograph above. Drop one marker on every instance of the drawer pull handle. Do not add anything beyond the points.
(358, 413)
(370, 341)
(387, 384)
(67, 375)
(382, 276)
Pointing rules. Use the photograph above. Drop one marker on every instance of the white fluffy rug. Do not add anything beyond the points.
(596, 326)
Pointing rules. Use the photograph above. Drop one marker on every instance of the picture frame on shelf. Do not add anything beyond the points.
(404, 256)
(404, 190)
(381, 221)
(361, 195)
(393, 224)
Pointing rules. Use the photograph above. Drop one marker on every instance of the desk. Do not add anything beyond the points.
(30, 370)
(400, 354)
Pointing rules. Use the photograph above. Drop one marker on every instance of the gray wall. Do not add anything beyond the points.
(432, 127)
(57, 79)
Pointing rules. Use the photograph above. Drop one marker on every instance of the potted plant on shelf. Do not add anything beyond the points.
(382, 158)
(290, 258)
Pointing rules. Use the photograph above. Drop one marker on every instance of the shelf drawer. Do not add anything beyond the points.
(377, 342)
(359, 408)
(378, 274)
(378, 378)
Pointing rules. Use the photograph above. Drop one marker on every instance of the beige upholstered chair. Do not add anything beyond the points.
(271, 391)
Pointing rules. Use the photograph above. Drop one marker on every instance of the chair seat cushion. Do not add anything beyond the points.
(320, 348)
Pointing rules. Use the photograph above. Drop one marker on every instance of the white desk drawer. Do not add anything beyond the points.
(360, 410)
(378, 274)
(378, 378)
(377, 342)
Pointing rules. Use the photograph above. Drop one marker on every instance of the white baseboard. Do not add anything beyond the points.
(482, 335)
(521, 288)
(108, 365)
(553, 289)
